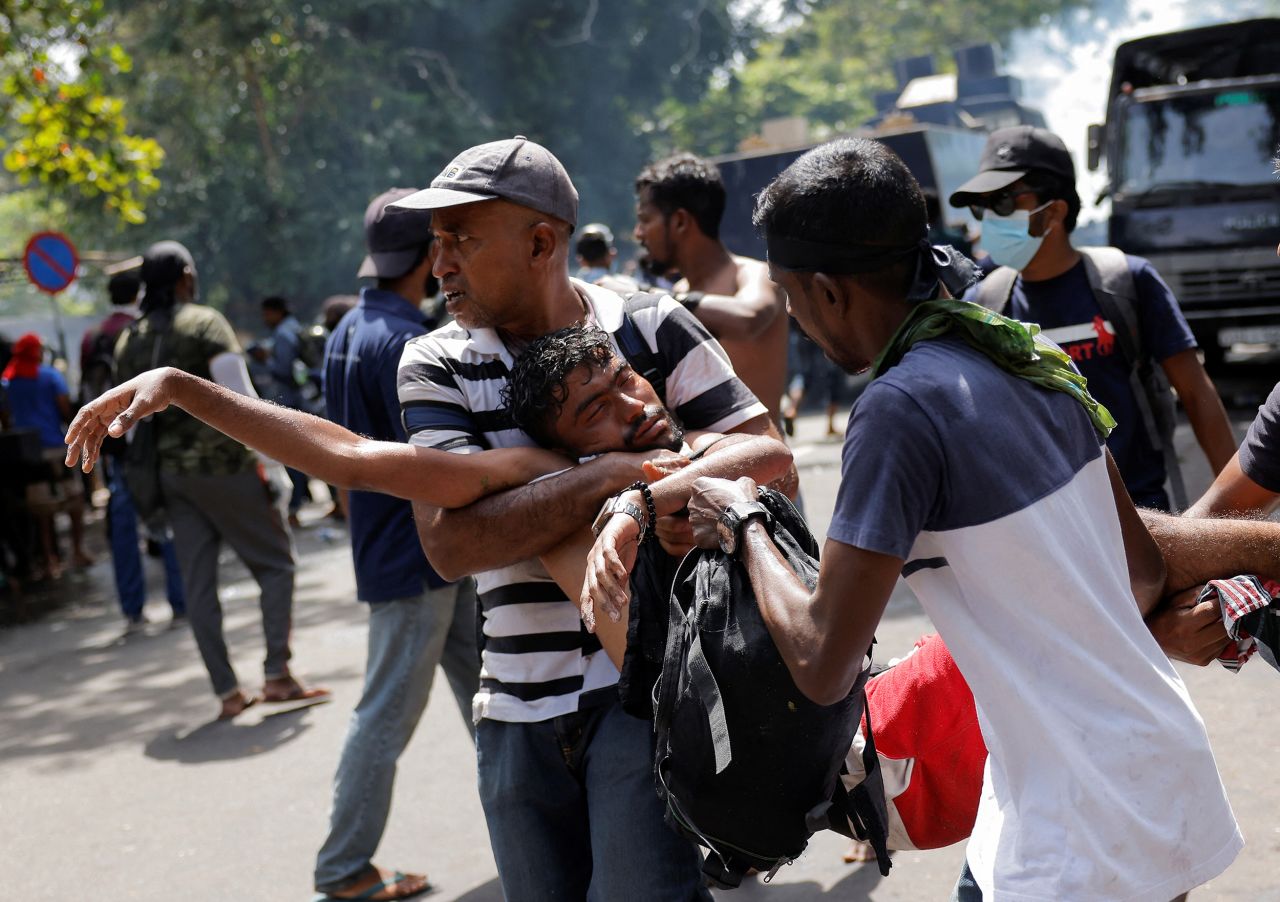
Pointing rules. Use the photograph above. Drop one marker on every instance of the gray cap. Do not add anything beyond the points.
(516, 169)
(395, 240)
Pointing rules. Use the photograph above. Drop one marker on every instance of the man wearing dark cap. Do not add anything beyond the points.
(212, 485)
(565, 775)
(1110, 311)
(416, 619)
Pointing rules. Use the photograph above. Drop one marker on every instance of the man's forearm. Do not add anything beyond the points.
(762, 458)
(730, 317)
(520, 523)
(300, 440)
(1198, 550)
(789, 482)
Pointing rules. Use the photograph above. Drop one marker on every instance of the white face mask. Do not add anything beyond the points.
(1008, 239)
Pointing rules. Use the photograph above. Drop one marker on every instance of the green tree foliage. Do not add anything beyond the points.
(281, 120)
(62, 127)
(832, 60)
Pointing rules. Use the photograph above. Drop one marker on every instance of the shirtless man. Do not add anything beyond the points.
(679, 202)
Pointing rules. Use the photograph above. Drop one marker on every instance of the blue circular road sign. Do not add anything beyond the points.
(50, 261)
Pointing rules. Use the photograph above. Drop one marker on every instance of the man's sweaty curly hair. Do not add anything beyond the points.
(535, 392)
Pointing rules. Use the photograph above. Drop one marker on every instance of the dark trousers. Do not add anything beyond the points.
(205, 511)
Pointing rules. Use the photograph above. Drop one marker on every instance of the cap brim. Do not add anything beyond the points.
(985, 183)
(436, 198)
(388, 264)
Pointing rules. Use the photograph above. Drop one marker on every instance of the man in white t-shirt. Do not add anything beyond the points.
(973, 466)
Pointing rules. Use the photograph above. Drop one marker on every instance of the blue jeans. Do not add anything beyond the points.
(407, 639)
(572, 813)
(126, 559)
(966, 889)
(300, 493)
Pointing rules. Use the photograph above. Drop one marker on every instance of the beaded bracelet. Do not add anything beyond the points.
(650, 508)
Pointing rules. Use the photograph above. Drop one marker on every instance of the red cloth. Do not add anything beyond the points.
(28, 352)
(922, 709)
(1239, 597)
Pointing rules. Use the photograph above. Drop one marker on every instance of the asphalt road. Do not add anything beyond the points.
(116, 785)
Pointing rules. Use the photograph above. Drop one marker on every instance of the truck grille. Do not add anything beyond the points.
(1225, 285)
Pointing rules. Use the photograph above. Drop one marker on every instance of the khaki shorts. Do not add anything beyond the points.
(63, 489)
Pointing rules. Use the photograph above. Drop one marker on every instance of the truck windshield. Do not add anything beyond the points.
(1201, 139)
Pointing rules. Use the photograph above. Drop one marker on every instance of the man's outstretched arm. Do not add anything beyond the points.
(1196, 551)
(1234, 493)
(305, 442)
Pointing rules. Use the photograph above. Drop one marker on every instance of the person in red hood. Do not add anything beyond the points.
(38, 399)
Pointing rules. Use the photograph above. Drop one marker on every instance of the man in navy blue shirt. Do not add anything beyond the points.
(416, 619)
(1025, 195)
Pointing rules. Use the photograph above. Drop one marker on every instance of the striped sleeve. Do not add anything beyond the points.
(433, 407)
(702, 389)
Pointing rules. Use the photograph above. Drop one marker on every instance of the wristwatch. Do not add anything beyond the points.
(618, 505)
(734, 518)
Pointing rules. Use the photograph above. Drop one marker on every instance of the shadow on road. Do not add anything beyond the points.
(858, 884)
(228, 740)
(485, 892)
(72, 686)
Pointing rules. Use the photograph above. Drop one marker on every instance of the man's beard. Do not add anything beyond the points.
(672, 438)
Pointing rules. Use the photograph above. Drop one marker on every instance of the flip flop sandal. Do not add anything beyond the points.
(249, 702)
(372, 891)
(296, 694)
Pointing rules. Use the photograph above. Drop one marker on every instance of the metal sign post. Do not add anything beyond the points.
(50, 260)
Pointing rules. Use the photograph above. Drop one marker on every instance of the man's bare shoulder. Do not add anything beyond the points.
(752, 271)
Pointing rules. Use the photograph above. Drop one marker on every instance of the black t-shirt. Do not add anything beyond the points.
(1260, 453)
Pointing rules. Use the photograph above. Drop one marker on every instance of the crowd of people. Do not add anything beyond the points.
(520, 480)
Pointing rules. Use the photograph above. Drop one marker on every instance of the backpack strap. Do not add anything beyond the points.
(859, 813)
(643, 359)
(866, 803)
(995, 290)
(708, 691)
(1113, 288)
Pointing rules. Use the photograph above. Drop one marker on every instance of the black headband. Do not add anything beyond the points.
(935, 263)
(803, 255)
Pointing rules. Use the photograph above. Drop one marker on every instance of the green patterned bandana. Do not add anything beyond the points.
(1009, 344)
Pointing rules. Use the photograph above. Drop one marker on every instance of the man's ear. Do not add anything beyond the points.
(679, 221)
(830, 291)
(544, 241)
(1053, 218)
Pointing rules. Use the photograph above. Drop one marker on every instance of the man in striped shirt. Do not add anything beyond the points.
(564, 773)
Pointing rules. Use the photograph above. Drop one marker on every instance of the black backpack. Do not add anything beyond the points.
(98, 368)
(746, 765)
(141, 457)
